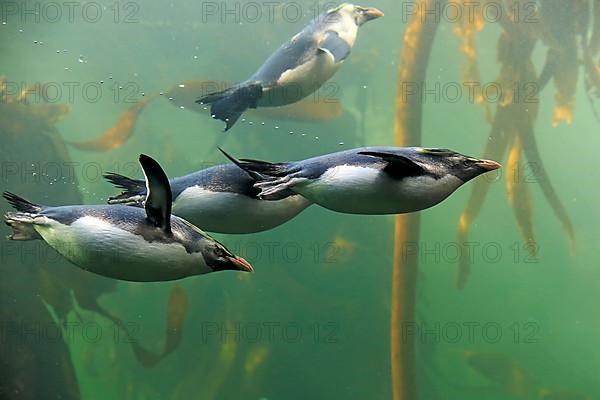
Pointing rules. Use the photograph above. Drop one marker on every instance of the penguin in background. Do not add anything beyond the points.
(128, 243)
(371, 180)
(220, 199)
(298, 68)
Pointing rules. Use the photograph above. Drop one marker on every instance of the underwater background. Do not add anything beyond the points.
(313, 321)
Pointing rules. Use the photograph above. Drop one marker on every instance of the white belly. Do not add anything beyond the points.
(294, 85)
(97, 246)
(359, 190)
(223, 212)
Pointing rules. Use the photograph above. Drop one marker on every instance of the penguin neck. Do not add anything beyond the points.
(346, 29)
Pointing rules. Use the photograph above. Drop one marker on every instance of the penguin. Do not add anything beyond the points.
(219, 199)
(297, 68)
(371, 180)
(127, 243)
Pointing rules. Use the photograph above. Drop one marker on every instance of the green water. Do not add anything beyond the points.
(313, 321)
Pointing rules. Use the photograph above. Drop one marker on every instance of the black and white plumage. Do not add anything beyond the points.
(371, 180)
(219, 199)
(297, 68)
(128, 243)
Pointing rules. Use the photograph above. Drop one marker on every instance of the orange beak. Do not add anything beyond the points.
(241, 264)
(373, 13)
(489, 165)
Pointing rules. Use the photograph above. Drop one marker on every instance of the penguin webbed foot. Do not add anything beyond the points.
(277, 188)
(229, 105)
(21, 225)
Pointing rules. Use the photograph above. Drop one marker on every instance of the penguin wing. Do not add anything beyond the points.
(159, 197)
(335, 46)
(397, 166)
(289, 56)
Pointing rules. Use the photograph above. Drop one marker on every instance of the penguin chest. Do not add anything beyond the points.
(227, 212)
(99, 246)
(365, 190)
(300, 81)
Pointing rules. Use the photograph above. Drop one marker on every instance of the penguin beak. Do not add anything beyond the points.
(488, 165)
(372, 13)
(240, 264)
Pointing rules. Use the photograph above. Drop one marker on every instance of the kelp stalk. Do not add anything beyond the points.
(418, 41)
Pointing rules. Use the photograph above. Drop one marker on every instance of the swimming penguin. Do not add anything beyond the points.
(128, 243)
(219, 199)
(371, 180)
(298, 68)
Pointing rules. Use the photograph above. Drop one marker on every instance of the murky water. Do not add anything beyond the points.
(89, 86)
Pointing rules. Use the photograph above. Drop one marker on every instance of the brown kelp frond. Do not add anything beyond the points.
(517, 189)
(414, 59)
(542, 177)
(467, 28)
(118, 134)
(494, 150)
(594, 41)
(504, 371)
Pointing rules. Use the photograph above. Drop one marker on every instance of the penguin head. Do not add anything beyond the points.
(218, 258)
(443, 162)
(355, 13)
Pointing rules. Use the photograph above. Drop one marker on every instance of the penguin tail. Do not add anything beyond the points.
(134, 191)
(22, 222)
(20, 204)
(228, 105)
(257, 169)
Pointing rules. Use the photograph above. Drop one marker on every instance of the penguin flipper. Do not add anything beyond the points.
(159, 197)
(335, 46)
(398, 166)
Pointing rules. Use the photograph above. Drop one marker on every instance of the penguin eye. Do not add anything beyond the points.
(219, 252)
